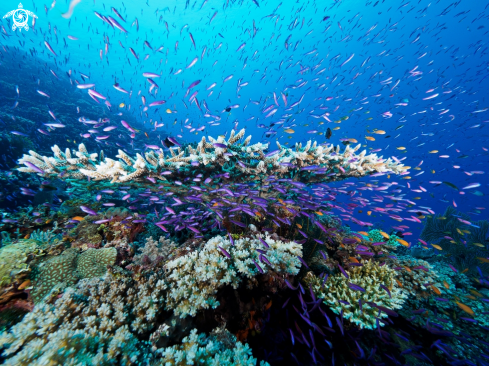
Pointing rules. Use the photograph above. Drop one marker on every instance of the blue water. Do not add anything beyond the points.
(418, 70)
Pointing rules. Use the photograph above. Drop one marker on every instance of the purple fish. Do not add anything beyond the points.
(224, 252)
(34, 167)
(343, 271)
(88, 210)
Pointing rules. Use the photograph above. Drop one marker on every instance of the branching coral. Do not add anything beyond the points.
(311, 163)
(197, 349)
(354, 303)
(194, 279)
(96, 323)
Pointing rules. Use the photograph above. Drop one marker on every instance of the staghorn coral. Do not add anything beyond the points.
(369, 276)
(65, 270)
(310, 163)
(197, 349)
(95, 323)
(193, 279)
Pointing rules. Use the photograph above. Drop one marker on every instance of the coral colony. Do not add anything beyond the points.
(247, 256)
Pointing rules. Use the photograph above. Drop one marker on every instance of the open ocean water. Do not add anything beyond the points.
(140, 225)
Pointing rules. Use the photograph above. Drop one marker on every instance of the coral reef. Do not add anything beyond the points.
(360, 305)
(464, 243)
(197, 349)
(193, 279)
(95, 323)
(60, 271)
(14, 259)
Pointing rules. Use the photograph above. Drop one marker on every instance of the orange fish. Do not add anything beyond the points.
(27, 236)
(465, 308)
(299, 226)
(385, 235)
(267, 306)
(353, 260)
(407, 268)
(436, 290)
(77, 218)
(465, 270)
(319, 213)
(474, 292)
(399, 283)
(483, 260)
(447, 286)
(403, 242)
(363, 233)
(24, 284)
(369, 213)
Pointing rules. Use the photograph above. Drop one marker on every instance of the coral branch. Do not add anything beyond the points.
(309, 164)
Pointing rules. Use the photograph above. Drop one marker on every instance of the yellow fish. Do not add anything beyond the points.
(433, 151)
(369, 138)
(380, 132)
(483, 260)
(336, 128)
(122, 105)
(436, 246)
(401, 148)
(168, 111)
(385, 235)
(369, 213)
(289, 130)
(363, 233)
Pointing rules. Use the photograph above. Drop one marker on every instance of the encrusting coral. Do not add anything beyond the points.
(326, 162)
(13, 259)
(65, 270)
(360, 306)
(194, 279)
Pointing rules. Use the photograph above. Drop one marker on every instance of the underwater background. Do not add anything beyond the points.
(140, 225)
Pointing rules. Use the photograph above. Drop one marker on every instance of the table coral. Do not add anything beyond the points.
(369, 276)
(213, 156)
(194, 279)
